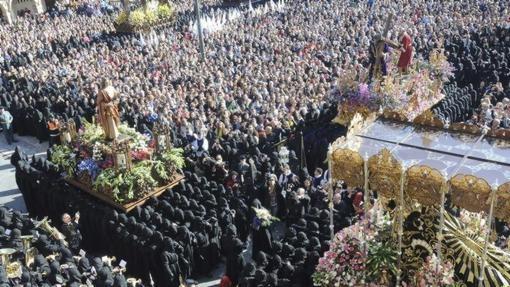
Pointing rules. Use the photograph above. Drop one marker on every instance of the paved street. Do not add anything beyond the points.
(10, 195)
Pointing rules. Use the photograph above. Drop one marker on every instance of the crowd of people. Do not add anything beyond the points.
(266, 77)
(480, 92)
(47, 260)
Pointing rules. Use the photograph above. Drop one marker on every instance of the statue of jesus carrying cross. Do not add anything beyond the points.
(378, 51)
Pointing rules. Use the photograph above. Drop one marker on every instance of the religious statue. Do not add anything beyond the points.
(378, 50)
(107, 112)
(406, 54)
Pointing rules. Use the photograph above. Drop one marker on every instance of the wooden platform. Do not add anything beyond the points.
(128, 206)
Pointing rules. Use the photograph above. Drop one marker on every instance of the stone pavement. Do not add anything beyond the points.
(10, 195)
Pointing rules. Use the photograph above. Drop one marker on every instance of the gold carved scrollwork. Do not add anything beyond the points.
(470, 192)
(384, 174)
(428, 118)
(424, 184)
(347, 165)
(502, 207)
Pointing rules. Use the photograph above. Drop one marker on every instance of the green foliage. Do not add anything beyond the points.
(382, 251)
(142, 179)
(151, 17)
(159, 172)
(126, 186)
(173, 157)
(381, 256)
(137, 18)
(165, 11)
(64, 157)
(107, 180)
(143, 17)
(122, 18)
(92, 133)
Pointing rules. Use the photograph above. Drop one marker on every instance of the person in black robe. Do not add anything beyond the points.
(227, 240)
(170, 264)
(45, 246)
(247, 275)
(15, 240)
(5, 217)
(261, 234)
(235, 263)
(201, 259)
(119, 280)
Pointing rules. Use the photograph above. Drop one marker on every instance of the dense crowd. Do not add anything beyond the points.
(481, 91)
(51, 261)
(268, 63)
(266, 77)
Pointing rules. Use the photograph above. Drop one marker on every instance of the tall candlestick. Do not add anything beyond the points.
(330, 194)
(400, 227)
(366, 199)
(366, 196)
(487, 236)
(441, 227)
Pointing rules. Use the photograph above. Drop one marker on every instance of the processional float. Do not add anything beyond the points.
(422, 187)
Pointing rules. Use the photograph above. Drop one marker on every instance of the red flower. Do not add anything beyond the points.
(108, 163)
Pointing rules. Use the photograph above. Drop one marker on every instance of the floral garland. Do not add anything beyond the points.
(434, 273)
(347, 263)
(409, 95)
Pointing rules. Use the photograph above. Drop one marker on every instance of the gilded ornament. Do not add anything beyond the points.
(502, 206)
(424, 184)
(384, 174)
(470, 192)
(347, 165)
(428, 118)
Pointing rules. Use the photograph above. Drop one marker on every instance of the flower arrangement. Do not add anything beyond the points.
(90, 167)
(64, 157)
(172, 158)
(434, 273)
(409, 95)
(139, 155)
(263, 217)
(91, 133)
(144, 17)
(349, 258)
(90, 161)
(474, 222)
(138, 140)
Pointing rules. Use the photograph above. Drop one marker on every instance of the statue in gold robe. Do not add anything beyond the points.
(107, 112)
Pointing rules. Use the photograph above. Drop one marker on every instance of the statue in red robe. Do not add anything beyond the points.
(406, 54)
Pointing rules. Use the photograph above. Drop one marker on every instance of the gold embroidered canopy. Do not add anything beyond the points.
(467, 167)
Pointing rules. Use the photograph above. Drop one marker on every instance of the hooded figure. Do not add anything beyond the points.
(15, 240)
(5, 217)
(55, 277)
(74, 277)
(84, 265)
(4, 281)
(261, 234)
(119, 280)
(104, 278)
(235, 262)
(170, 264)
(41, 265)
